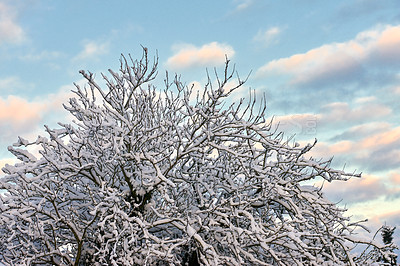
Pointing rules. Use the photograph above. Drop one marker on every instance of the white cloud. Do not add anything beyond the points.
(210, 54)
(10, 31)
(92, 49)
(243, 4)
(267, 37)
(339, 60)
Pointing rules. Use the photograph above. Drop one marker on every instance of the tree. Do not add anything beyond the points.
(387, 238)
(387, 234)
(147, 177)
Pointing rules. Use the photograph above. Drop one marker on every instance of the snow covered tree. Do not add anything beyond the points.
(387, 234)
(170, 177)
(387, 238)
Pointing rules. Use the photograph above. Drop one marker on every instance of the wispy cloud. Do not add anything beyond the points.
(268, 37)
(91, 49)
(12, 84)
(339, 61)
(44, 55)
(211, 54)
(10, 30)
(242, 4)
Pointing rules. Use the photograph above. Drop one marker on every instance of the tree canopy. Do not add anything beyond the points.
(144, 176)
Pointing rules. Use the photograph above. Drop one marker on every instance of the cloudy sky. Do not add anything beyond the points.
(329, 70)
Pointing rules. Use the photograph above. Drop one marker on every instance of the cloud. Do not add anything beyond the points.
(13, 83)
(327, 150)
(10, 31)
(386, 138)
(336, 62)
(343, 112)
(91, 49)
(355, 190)
(269, 36)
(18, 110)
(374, 189)
(8, 82)
(396, 90)
(360, 131)
(388, 217)
(44, 55)
(376, 151)
(299, 124)
(382, 159)
(188, 55)
(20, 116)
(336, 114)
(357, 133)
(395, 178)
(243, 4)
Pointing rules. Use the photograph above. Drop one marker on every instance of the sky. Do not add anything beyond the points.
(329, 70)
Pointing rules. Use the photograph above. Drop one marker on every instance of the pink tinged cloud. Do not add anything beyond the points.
(387, 47)
(375, 151)
(387, 138)
(210, 54)
(18, 110)
(327, 150)
(20, 116)
(367, 188)
(395, 178)
(337, 58)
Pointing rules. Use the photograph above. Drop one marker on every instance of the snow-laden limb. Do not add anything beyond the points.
(152, 178)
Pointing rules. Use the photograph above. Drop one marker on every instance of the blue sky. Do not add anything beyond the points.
(329, 69)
